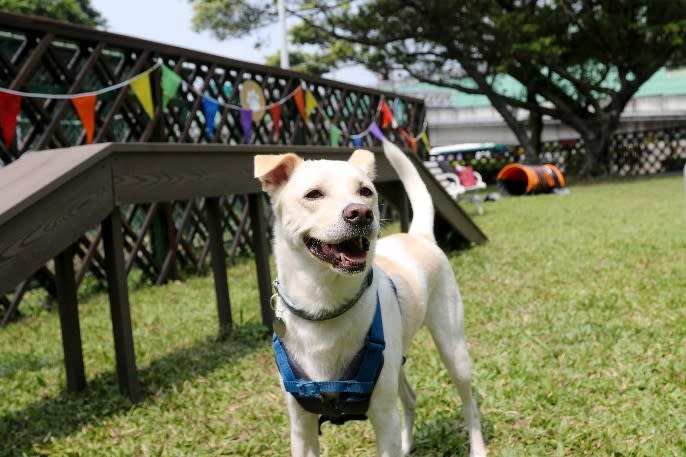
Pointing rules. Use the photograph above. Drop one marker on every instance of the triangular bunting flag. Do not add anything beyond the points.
(334, 136)
(141, 87)
(399, 116)
(357, 141)
(376, 131)
(310, 103)
(227, 88)
(386, 114)
(413, 145)
(275, 114)
(9, 109)
(170, 84)
(404, 134)
(299, 99)
(209, 109)
(85, 108)
(425, 140)
(246, 123)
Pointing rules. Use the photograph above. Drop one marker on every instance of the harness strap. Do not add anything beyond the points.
(338, 400)
(364, 381)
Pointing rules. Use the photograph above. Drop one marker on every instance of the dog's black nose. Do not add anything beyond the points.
(356, 213)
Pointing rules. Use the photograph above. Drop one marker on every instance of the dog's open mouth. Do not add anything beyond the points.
(349, 256)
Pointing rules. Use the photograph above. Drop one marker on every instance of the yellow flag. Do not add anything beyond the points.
(141, 87)
(425, 140)
(310, 103)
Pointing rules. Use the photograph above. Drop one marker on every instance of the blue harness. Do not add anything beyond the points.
(345, 399)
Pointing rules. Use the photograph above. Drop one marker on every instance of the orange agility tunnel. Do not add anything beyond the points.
(520, 179)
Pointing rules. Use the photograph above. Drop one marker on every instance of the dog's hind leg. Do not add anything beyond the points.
(445, 322)
(408, 400)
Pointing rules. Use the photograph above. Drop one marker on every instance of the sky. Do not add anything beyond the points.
(169, 21)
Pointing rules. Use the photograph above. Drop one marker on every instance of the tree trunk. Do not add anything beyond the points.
(597, 160)
(535, 130)
(530, 144)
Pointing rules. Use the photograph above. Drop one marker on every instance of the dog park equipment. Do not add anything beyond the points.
(457, 180)
(520, 179)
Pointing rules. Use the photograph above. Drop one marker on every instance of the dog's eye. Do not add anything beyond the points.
(314, 194)
(366, 191)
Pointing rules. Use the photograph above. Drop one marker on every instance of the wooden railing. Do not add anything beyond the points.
(161, 238)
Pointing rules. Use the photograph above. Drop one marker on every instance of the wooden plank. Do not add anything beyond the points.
(28, 180)
(69, 320)
(62, 207)
(261, 247)
(160, 172)
(163, 171)
(218, 261)
(127, 375)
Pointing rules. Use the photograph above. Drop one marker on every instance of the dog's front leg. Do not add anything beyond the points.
(386, 422)
(304, 430)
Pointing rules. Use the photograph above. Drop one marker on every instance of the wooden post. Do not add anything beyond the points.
(69, 320)
(261, 246)
(127, 375)
(218, 261)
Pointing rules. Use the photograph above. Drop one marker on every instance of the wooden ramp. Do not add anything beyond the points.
(51, 197)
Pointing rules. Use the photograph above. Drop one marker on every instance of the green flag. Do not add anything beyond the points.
(334, 135)
(170, 84)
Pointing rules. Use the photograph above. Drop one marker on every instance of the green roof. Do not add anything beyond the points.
(663, 82)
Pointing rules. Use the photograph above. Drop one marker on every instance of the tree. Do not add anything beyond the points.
(579, 61)
(73, 11)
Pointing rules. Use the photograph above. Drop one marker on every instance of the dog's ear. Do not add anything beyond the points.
(365, 160)
(273, 171)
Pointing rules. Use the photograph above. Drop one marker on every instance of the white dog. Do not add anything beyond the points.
(333, 275)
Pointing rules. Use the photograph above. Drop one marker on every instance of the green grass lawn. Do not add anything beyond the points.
(576, 321)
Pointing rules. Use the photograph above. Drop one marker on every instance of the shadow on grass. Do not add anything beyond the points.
(446, 437)
(68, 413)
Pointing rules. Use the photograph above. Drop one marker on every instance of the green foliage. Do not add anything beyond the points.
(228, 18)
(574, 319)
(579, 61)
(73, 11)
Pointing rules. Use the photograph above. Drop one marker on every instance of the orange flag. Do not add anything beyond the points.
(299, 99)
(386, 114)
(275, 112)
(85, 108)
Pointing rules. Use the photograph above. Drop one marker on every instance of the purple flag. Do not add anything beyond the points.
(376, 131)
(209, 108)
(246, 123)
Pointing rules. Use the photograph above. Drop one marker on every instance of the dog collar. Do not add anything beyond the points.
(325, 316)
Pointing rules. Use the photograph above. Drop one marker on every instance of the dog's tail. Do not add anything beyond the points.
(420, 198)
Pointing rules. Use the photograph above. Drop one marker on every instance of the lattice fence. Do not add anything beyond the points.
(630, 154)
(162, 240)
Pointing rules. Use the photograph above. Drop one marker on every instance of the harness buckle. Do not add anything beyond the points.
(309, 390)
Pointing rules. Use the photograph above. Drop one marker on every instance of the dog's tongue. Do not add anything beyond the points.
(350, 251)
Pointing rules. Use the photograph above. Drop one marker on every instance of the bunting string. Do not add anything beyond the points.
(82, 94)
(305, 101)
